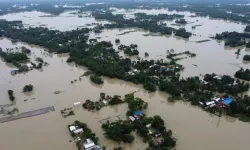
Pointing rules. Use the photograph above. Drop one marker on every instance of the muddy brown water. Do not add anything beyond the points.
(194, 128)
(62, 22)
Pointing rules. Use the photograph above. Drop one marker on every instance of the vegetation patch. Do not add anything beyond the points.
(66, 112)
(134, 104)
(143, 21)
(151, 129)
(96, 79)
(129, 50)
(13, 57)
(233, 39)
(119, 131)
(246, 57)
(80, 133)
(244, 118)
(25, 50)
(117, 41)
(11, 95)
(103, 101)
(181, 21)
(247, 29)
(243, 74)
(28, 88)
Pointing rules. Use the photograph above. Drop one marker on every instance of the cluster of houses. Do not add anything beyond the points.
(216, 101)
(88, 144)
(27, 66)
(169, 68)
(156, 137)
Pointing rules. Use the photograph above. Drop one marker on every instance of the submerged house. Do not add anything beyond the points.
(29, 65)
(75, 130)
(131, 118)
(78, 131)
(72, 128)
(90, 145)
(77, 104)
(14, 71)
(138, 114)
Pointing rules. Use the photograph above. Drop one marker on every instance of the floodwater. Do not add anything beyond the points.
(212, 56)
(64, 22)
(194, 128)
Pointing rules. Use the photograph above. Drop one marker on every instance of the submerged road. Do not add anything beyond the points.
(27, 114)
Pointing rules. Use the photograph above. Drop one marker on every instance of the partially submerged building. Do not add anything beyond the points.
(90, 145)
(75, 130)
(14, 71)
(29, 65)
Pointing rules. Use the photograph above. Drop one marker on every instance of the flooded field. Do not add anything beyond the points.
(212, 56)
(64, 22)
(194, 128)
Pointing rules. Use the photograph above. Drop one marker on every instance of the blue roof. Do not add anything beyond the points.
(13, 71)
(138, 113)
(228, 101)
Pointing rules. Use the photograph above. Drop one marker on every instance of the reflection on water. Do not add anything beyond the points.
(194, 128)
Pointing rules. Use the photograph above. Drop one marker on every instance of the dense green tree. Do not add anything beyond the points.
(10, 92)
(117, 41)
(181, 21)
(248, 45)
(12, 98)
(233, 39)
(28, 88)
(102, 95)
(243, 74)
(96, 79)
(115, 100)
(247, 29)
(118, 131)
(150, 86)
(25, 50)
(246, 57)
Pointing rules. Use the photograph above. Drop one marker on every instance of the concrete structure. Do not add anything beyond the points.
(148, 125)
(77, 104)
(78, 131)
(105, 102)
(29, 65)
(72, 128)
(90, 145)
(131, 118)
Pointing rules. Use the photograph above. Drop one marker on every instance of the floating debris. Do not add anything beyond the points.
(58, 92)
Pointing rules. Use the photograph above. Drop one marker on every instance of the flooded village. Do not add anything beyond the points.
(66, 108)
